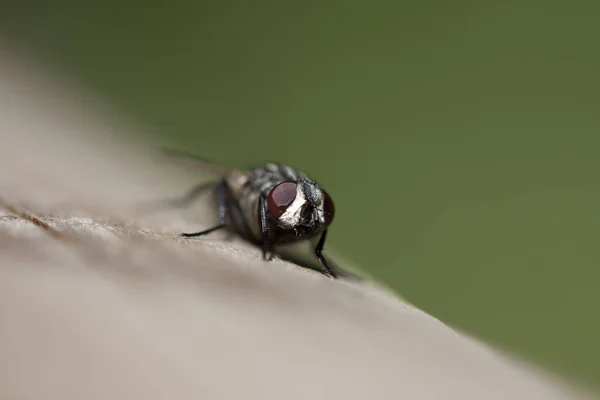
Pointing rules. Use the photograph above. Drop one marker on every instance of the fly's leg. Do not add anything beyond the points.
(318, 250)
(222, 195)
(204, 232)
(264, 227)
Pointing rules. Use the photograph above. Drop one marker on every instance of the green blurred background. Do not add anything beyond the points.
(458, 139)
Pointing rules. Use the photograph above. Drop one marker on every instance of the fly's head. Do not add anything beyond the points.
(300, 207)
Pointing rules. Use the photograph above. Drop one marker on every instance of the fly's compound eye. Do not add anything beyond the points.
(280, 197)
(328, 208)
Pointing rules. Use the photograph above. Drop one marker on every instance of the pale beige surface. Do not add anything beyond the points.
(116, 307)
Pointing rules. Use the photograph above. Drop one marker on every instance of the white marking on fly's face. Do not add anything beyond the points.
(291, 216)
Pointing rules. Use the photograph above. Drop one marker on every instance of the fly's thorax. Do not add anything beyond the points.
(236, 181)
(270, 175)
(243, 204)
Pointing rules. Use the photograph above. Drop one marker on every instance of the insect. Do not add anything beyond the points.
(273, 204)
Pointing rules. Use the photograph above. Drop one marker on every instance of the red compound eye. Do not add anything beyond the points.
(280, 197)
(328, 208)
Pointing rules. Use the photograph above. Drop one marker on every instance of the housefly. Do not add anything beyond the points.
(270, 205)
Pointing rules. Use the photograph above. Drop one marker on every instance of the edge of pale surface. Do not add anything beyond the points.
(121, 308)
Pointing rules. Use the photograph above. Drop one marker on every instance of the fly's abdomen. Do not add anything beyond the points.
(242, 206)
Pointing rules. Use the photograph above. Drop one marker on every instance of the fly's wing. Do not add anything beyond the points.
(303, 255)
(189, 160)
(210, 174)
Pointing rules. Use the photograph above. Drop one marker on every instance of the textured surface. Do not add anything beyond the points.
(100, 301)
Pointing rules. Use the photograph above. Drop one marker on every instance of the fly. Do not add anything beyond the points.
(273, 204)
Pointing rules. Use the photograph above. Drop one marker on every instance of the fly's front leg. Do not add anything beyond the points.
(318, 250)
(264, 228)
(222, 196)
